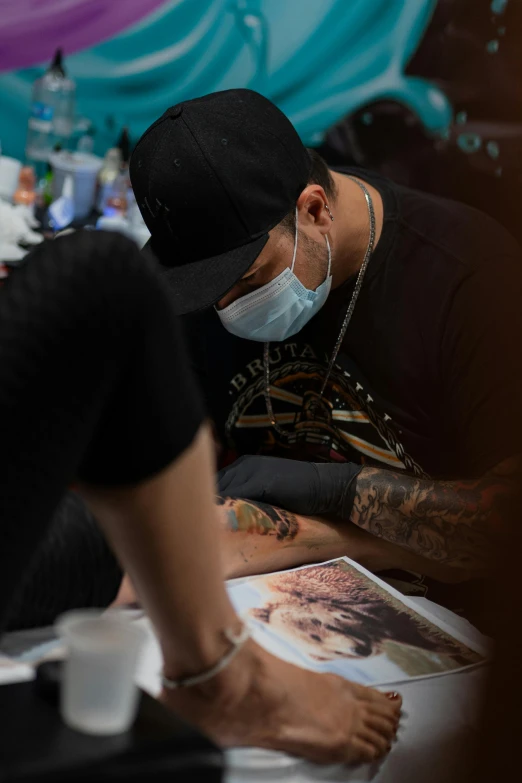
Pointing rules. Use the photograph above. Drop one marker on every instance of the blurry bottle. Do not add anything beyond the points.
(44, 191)
(26, 193)
(107, 176)
(82, 139)
(116, 203)
(121, 198)
(52, 113)
(61, 211)
(124, 145)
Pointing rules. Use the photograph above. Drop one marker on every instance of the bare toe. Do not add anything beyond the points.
(361, 752)
(385, 726)
(376, 697)
(375, 738)
(387, 708)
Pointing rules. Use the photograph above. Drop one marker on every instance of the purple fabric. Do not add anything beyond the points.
(31, 30)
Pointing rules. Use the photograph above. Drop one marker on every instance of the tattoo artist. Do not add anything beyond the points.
(357, 341)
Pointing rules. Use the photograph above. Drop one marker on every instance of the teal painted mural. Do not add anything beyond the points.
(317, 59)
(425, 91)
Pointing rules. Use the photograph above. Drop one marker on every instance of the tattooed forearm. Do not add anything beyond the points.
(446, 521)
(260, 518)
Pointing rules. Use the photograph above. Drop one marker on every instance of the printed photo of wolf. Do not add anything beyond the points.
(334, 611)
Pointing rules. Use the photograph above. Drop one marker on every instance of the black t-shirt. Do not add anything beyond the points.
(429, 376)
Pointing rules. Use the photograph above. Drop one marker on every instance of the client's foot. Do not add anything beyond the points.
(264, 702)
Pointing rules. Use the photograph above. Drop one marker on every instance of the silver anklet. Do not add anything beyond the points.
(236, 640)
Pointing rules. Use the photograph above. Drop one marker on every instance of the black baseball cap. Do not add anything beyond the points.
(211, 177)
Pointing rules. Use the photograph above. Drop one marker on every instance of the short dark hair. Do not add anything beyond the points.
(319, 175)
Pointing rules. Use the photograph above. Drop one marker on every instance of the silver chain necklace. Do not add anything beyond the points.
(346, 321)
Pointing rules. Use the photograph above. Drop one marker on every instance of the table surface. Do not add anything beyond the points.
(440, 716)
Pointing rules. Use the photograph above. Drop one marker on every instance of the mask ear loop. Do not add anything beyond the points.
(295, 239)
(295, 245)
(329, 256)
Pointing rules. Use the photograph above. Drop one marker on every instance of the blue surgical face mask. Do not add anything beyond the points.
(278, 309)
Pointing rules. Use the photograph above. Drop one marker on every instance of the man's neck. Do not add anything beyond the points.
(351, 227)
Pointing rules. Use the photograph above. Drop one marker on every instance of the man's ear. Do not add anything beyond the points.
(311, 206)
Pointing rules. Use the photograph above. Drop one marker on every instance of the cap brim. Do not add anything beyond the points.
(200, 284)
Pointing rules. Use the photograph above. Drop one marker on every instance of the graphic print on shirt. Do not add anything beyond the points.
(332, 428)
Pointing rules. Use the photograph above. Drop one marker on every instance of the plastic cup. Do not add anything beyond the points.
(9, 174)
(98, 693)
(84, 169)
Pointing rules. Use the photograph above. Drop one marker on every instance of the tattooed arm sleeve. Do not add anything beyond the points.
(450, 522)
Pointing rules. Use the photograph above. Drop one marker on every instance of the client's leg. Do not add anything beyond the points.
(259, 538)
(75, 568)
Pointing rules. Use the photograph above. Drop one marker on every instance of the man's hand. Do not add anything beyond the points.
(302, 487)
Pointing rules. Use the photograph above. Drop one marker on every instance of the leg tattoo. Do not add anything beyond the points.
(260, 518)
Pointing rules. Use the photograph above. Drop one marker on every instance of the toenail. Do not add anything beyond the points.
(392, 695)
